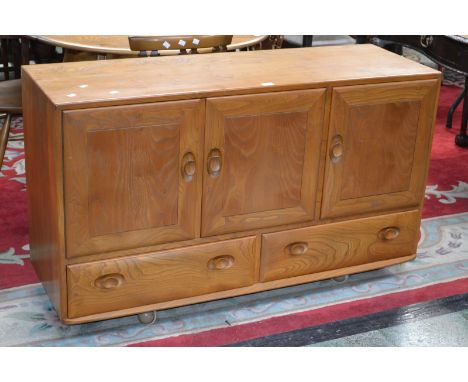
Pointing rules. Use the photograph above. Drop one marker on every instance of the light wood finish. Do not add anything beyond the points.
(118, 45)
(170, 177)
(208, 239)
(262, 154)
(132, 190)
(379, 142)
(140, 280)
(149, 80)
(258, 287)
(44, 179)
(154, 45)
(338, 245)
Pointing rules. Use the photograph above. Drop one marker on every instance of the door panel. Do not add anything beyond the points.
(262, 154)
(125, 175)
(378, 145)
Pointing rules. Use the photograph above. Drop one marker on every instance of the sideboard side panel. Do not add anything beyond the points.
(43, 137)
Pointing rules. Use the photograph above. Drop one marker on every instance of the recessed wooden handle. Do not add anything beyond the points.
(389, 233)
(297, 249)
(336, 148)
(110, 281)
(188, 166)
(221, 262)
(214, 162)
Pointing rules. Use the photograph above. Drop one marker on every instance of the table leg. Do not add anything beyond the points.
(25, 50)
(6, 68)
(462, 139)
(453, 108)
(15, 45)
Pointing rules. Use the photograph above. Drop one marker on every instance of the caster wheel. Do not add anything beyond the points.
(147, 318)
(341, 279)
(461, 140)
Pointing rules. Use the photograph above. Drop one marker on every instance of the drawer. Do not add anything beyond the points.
(128, 282)
(338, 245)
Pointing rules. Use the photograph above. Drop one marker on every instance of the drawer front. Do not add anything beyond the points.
(134, 281)
(338, 245)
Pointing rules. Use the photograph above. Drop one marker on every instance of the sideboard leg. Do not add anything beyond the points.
(147, 318)
(341, 279)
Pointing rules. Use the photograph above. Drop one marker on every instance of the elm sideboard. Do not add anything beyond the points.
(161, 182)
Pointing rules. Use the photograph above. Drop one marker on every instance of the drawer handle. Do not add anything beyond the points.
(298, 249)
(336, 149)
(110, 281)
(214, 162)
(389, 233)
(221, 262)
(188, 166)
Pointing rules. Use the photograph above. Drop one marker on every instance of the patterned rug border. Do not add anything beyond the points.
(36, 323)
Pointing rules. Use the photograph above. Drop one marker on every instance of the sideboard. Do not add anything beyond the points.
(161, 182)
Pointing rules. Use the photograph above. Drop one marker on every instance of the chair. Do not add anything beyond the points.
(10, 104)
(184, 44)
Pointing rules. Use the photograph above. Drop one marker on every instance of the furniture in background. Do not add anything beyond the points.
(10, 104)
(296, 41)
(11, 54)
(448, 51)
(151, 186)
(154, 45)
(93, 47)
(21, 50)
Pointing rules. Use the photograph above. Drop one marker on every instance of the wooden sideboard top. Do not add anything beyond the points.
(113, 82)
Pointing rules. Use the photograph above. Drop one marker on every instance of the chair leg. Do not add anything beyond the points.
(462, 138)
(4, 137)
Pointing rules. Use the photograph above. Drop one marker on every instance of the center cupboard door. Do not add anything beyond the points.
(262, 156)
(378, 147)
(132, 175)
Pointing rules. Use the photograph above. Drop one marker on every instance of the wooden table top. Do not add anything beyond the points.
(150, 79)
(118, 44)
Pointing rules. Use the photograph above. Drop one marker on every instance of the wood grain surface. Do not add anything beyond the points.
(44, 176)
(270, 147)
(131, 190)
(386, 132)
(139, 280)
(338, 245)
(208, 75)
(118, 45)
(257, 287)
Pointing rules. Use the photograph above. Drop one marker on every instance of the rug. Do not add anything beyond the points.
(325, 313)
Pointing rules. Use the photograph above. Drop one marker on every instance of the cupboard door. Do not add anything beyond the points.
(262, 159)
(378, 147)
(132, 175)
